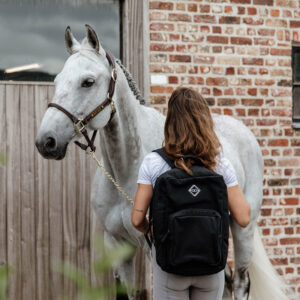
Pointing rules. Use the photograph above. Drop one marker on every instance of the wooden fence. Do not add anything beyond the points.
(45, 213)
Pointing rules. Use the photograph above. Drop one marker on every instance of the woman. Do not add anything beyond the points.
(188, 131)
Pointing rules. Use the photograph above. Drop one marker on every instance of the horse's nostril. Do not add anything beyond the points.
(50, 143)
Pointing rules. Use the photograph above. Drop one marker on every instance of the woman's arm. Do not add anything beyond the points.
(238, 205)
(141, 203)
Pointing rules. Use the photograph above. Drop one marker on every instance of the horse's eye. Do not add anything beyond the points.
(88, 83)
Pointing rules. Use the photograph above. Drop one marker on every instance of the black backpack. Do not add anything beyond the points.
(190, 220)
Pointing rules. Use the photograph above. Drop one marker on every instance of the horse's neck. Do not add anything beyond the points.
(120, 141)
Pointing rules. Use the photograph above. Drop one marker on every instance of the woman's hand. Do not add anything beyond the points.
(238, 205)
(141, 203)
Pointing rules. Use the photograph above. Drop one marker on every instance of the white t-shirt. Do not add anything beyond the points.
(154, 165)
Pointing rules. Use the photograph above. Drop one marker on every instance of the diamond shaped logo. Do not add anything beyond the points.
(194, 190)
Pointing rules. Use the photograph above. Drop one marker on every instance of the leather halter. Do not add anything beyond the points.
(80, 125)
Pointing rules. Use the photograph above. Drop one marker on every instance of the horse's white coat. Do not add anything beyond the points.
(134, 131)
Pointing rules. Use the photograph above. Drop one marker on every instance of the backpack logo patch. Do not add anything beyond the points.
(194, 190)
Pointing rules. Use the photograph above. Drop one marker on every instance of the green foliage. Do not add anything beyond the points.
(109, 258)
(4, 272)
(3, 159)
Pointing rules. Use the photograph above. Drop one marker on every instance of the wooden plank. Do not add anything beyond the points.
(42, 209)
(136, 43)
(3, 169)
(55, 186)
(70, 215)
(83, 188)
(27, 149)
(13, 195)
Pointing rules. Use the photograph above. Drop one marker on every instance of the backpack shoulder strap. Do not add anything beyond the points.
(163, 154)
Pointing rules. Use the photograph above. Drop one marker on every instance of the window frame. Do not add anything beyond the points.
(295, 85)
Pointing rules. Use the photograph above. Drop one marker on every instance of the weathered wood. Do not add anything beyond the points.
(13, 192)
(55, 184)
(27, 172)
(3, 168)
(42, 206)
(136, 43)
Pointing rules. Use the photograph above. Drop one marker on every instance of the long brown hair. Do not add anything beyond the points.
(189, 130)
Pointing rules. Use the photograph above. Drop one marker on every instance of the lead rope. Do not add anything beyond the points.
(118, 187)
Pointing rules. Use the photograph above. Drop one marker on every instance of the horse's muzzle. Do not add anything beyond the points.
(49, 147)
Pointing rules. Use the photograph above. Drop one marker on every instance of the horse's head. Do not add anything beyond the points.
(79, 88)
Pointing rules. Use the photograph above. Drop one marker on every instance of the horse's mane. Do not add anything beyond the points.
(132, 84)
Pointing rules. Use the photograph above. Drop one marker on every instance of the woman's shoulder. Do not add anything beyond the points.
(153, 158)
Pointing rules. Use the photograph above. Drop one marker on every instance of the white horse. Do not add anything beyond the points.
(134, 131)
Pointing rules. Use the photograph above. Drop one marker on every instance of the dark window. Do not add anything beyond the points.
(296, 83)
(32, 34)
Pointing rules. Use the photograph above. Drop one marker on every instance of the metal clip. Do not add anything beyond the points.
(114, 74)
(79, 126)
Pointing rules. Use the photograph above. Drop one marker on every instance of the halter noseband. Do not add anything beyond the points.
(79, 124)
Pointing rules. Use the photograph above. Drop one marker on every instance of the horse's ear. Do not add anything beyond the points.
(92, 37)
(70, 40)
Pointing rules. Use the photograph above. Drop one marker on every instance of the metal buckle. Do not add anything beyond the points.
(114, 74)
(79, 126)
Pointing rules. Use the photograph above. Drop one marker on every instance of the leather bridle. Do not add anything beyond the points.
(80, 124)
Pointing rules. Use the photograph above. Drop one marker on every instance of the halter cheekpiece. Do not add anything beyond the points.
(80, 125)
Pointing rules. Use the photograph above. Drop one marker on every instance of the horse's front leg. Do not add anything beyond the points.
(243, 248)
(125, 272)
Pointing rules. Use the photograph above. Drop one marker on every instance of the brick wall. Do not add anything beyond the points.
(237, 54)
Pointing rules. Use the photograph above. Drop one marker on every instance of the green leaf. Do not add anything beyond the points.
(3, 159)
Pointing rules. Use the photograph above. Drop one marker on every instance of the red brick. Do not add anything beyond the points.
(289, 201)
(180, 17)
(263, 2)
(161, 47)
(204, 8)
(262, 81)
(155, 36)
(275, 12)
(217, 39)
(204, 59)
(226, 102)
(279, 261)
(252, 102)
(174, 37)
(158, 99)
(217, 29)
(240, 41)
(254, 112)
(161, 89)
(227, 111)
(228, 92)
(157, 15)
(266, 31)
(229, 20)
(290, 241)
(253, 61)
(193, 70)
(294, 24)
(278, 143)
(173, 79)
(241, 1)
(284, 52)
(192, 7)
(251, 10)
(241, 10)
(155, 68)
(254, 22)
(230, 71)
(181, 48)
(161, 27)
(252, 91)
(217, 81)
(204, 19)
(240, 112)
(180, 58)
(217, 92)
(161, 5)
(266, 122)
